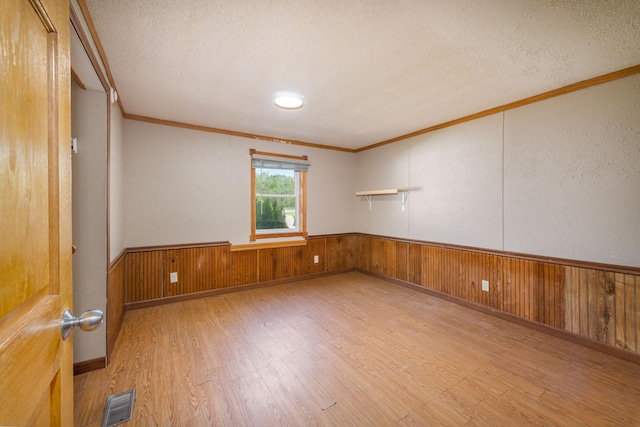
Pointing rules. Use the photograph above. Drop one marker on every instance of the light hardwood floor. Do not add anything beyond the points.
(354, 350)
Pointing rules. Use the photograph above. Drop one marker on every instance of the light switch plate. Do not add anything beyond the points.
(485, 285)
(316, 259)
(173, 277)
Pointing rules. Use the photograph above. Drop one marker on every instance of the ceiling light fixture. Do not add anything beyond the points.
(288, 100)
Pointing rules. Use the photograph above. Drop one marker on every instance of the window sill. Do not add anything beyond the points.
(268, 245)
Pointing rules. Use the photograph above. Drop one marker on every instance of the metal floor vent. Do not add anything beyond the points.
(119, 408)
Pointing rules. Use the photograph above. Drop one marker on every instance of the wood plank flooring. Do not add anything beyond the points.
(351, 350)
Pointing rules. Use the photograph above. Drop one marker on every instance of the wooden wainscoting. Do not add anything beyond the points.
(244, 268)
(590, 301)
(210, 268)
(115, 301)
(114, 315)
(144, 275)
(594, 301)
(200, 267)
(604, 306)
(339, 252)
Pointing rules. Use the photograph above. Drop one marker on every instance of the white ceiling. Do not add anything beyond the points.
(368, 70)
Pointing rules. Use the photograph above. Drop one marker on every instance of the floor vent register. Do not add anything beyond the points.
(119, 408)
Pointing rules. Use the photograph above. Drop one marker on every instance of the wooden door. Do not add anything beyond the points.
(36, 366)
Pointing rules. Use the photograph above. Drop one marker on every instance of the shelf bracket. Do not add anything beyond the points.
(368, 194)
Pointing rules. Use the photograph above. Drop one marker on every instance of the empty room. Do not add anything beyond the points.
(363, 213)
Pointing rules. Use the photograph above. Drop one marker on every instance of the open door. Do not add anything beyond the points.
(36, 384)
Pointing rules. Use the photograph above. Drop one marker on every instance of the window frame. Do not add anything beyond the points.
(302, 200)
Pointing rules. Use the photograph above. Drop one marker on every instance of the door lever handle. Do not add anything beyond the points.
(87, 321)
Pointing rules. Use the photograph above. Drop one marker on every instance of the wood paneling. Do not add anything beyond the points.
(244, 267)
(383, 257)
(144, 275)
(209, 266)
(596, 303)
(340, 252)
(198, 269)
(415, 264)
(600, 303)
(555, 284)
(89, 365)
(627, 317)
(402, 260)
(520, 278)
(115, 302)
(279, 263)
(313, 247)
(363, 252)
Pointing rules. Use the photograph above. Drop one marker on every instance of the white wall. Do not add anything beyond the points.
(557, 178)
(89, 168)
(456, 176)
(572, 175)
(187, 186)
(454, 180)
(116, 184)
(330, 187)
(383, 168)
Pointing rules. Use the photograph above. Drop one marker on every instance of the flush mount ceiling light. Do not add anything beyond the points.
(288, 100)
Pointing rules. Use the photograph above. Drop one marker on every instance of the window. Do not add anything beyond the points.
(278, 195)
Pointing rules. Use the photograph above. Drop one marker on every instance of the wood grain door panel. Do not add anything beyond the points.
(35, 265)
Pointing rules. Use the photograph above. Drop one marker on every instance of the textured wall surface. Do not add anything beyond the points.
(187, 186)
(558, 178)
(383, 168)
(456, 176)
(116, 184)
(89, 125)
(179, 186)
(572, 175)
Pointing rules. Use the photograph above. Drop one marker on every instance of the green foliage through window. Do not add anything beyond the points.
(275, 199)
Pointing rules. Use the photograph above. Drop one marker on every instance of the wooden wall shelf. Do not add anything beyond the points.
(369, 193)
(379, 192)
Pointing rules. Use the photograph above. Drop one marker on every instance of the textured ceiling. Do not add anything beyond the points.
(368, 70)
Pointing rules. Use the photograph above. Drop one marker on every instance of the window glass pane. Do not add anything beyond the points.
(276, 200)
